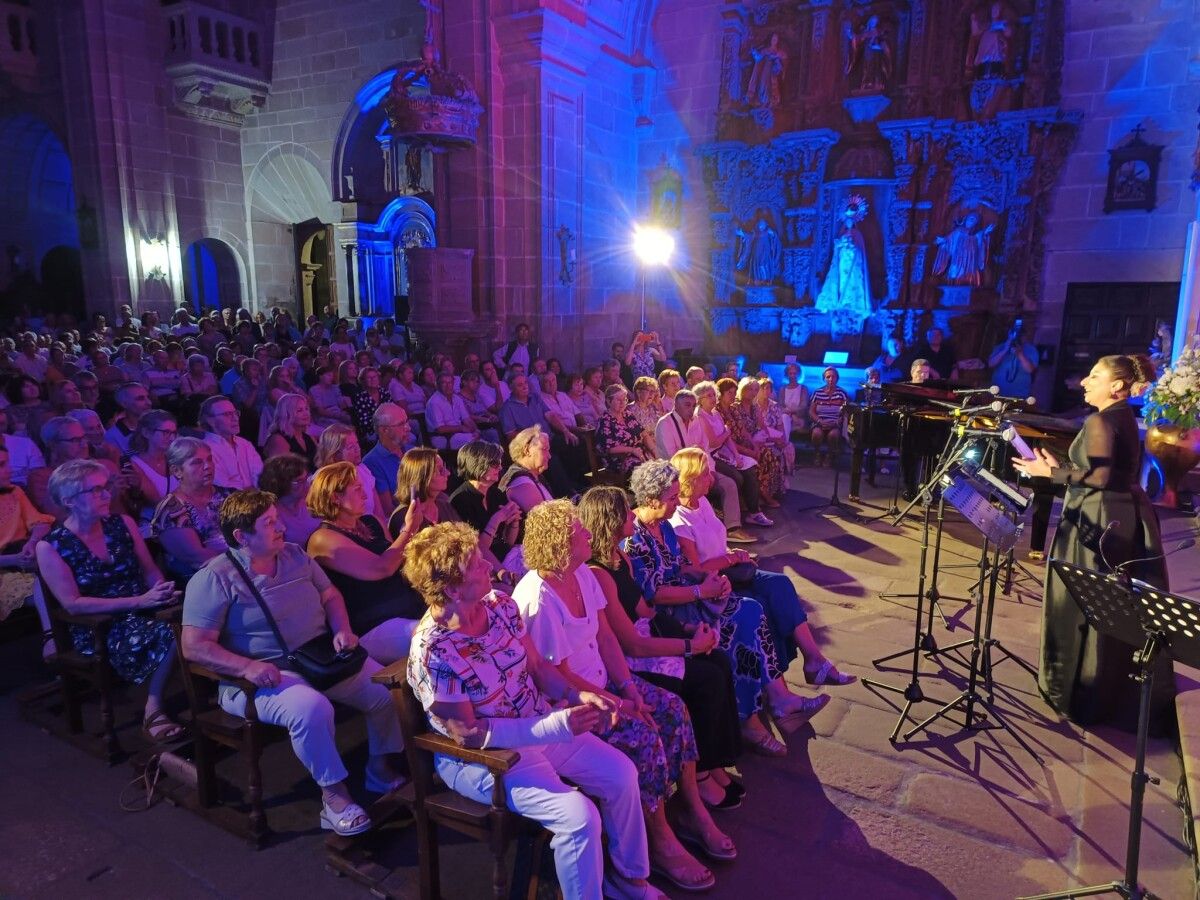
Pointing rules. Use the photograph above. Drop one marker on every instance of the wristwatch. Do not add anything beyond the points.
(696, 591)
(687, 648)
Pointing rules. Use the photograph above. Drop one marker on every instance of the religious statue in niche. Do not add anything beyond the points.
(869, 57)
(759, 253)
(666, 192)
(414, 164)
(963, 253)
(988, 49)
(766, 76)
(846, 293)
(566, 254)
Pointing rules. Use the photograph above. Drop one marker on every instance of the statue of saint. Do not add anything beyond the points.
(846, 293)
(666, 191)
(987, 52)
(767, 74)
(869, 62)
(963, 253)
(760, 253)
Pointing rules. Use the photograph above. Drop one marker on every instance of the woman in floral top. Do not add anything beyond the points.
(188, 520)
(646, 409)
(736, 405)
(618, 434)
(97, 562)
(481, 681)
(692, 596)
(774, 425)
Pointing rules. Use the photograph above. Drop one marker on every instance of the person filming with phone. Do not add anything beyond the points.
(1014, 362)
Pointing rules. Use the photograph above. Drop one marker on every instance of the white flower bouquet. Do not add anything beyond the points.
(1175, 397)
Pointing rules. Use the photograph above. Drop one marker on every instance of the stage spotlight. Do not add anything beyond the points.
(653, 247)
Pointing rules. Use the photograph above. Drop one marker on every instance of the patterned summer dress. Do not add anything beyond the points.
(623, 432)
(137, 644)
(741, 623)
(742, 421)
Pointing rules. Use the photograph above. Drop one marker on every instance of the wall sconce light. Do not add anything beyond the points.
(155, 258)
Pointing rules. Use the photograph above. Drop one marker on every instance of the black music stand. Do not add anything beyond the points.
(1153, 622)
(834, 504)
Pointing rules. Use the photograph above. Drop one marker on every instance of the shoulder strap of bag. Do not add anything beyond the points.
(258, 598)
(679, 431)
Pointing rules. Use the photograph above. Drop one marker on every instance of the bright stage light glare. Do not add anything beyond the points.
(653, 246)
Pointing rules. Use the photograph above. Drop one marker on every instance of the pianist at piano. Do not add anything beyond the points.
(1107, 520)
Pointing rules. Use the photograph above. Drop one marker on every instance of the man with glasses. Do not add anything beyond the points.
(237, 464)
(391, 425)
(134, 400)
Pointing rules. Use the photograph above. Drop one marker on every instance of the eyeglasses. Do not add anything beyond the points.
(72, 440)
(98, 489)
(166, 431)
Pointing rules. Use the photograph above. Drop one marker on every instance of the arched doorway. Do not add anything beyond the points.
(313, 245)
(211, 279)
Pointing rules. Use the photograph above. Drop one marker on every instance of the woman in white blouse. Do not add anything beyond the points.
(702, 539)
(562, 604)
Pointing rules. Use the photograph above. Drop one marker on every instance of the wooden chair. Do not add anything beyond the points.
(434, 804)
(77, 672)
(596, 473)
(211, 727)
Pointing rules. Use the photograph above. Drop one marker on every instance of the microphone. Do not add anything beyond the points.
(1023, 401)
(995, 406)
(1182, 545)
(966, 392)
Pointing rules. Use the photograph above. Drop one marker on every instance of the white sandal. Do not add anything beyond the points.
(343, 822)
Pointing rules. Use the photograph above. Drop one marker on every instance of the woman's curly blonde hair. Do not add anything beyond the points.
(548, 536)
(437, 557)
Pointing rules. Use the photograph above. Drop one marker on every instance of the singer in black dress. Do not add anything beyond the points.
(1107, 520)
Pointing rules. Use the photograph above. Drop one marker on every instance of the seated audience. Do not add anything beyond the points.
(228, 632)
(825, 411)
(97, 562)
(889, 363)
(684, 660)
(187, 522)
(525, 409)
(795, 400)
(24, 456)
(737, 467)
(363, 562)
(618, 434)
(147, 467)
(329, 403)
(237, 463)
(21, 527)
(365, 401)
(479, 501)
(25, 402)
(647, 410)
(339, 443)
(481, 413)
(289, 430)
(669, 383)
(523, 482)
(736, 406)
(562, 604)
(383, 460)
(286, 476)
(450, 424)
(483, 683)
(669, 580)
(941, 357)
(773, 424)
(702, 538)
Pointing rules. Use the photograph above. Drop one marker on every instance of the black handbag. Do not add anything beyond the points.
(315, 661)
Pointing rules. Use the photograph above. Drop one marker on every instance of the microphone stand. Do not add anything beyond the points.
(834, 503)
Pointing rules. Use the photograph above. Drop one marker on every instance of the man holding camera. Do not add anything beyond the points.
(1014, 362)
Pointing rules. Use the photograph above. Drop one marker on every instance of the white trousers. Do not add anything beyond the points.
(389, 640)
(307, 714)
(536, 790)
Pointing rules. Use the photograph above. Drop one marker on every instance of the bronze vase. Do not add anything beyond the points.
(1176, 450)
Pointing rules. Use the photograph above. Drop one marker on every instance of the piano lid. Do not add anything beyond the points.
(936, 389)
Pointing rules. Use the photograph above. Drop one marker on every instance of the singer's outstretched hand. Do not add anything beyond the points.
(1042, 467)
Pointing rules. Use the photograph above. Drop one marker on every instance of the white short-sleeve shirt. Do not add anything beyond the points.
(559, 635)
(702, 527)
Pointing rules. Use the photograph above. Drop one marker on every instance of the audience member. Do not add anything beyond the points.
(795, 400)
(286, 476)
(1014, 362)
(289, 430)
(618, 433)
(339, 443)
(825, 411)
(237, 463)
(383, 460)
(738, 468)
(479, 501)
(363, 563)
(523, 482)
(889, 363)
(520, 350)
(450, 424)
(96, 562)
(483, 683)
(147, 467)
(230, 633)
(737, 409)
(187, 522)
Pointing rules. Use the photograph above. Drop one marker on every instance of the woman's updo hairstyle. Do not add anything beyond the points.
(1135, 371)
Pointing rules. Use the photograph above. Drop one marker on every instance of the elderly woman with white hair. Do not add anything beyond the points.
(669, 580)
(523, 482)
(97, 562)
(187, 522)
(289, 430)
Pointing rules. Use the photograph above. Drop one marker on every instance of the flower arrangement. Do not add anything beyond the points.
(1175, 397)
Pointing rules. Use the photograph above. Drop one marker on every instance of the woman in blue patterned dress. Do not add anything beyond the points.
(562, 604)
(95, 562)
(692, 596)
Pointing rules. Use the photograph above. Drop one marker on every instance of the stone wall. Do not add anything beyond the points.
(1127, 62)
